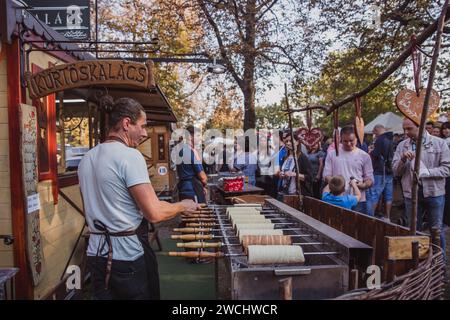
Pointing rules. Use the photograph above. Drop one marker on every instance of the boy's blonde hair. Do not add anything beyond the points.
(337, 185)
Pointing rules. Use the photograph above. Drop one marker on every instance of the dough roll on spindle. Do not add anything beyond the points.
(266, 240)
(250, 205)
(241, 209)
(274, 254)
(260, 232)
(254, 225)
(237, 222)
(243, 213)
(247, 216)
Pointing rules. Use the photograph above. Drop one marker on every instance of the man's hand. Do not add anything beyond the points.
(189, 206)
(408, 155)
(354, 183)
(360, 185)
(423, 171)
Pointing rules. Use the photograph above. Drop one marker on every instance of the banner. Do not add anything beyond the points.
(71, 18)
(28, 121)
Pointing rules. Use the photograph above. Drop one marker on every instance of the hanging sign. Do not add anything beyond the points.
(411, 104)
(89, 73)
(71, 18)
(309, 136)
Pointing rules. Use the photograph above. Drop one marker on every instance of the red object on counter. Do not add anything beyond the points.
(233, 184)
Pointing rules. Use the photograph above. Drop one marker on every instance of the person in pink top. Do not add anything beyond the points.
(352, 162)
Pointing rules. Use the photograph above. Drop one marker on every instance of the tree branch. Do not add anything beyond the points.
(223, 51)
(236, 17)
(288, 56)
(278, 62)
(269, 7)
(422, 37)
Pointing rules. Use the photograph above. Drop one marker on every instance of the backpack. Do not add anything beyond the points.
(389, 158)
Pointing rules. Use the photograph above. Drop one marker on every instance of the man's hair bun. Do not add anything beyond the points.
(107, 103)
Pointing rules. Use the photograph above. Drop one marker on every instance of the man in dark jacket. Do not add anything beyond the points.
(381, 156)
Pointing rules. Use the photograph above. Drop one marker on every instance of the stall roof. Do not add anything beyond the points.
(154, 102)
(389, 120)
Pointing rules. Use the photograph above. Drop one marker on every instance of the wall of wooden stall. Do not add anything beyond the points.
(60, 226)
(60, 222)
(6, 252)
(369, 230)
(150, 150)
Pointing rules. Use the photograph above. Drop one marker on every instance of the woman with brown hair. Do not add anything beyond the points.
(287, 173)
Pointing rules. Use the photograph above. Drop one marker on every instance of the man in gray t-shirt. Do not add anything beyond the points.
(118, 201)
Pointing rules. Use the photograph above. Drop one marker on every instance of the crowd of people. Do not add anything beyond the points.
(361, 177)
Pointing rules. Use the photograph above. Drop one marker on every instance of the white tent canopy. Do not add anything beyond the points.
(389, 120)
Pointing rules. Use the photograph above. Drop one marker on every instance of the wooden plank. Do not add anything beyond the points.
(400, 248)
(365, 226)
(23, 280)
(380, 232)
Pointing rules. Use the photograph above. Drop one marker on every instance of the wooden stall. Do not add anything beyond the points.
(369, 230)
(50, 116)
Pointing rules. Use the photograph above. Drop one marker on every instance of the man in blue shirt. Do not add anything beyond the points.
(333, 193)
(381, 156)
(192, 177)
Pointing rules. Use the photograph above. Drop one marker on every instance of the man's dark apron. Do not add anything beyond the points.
(149, 256)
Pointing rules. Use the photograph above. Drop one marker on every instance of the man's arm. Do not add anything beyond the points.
(356, 191)
(328, 170)
(203, 178)
(377, 149)
(155, 210)
(319, 173)
(443, 171)
(399, 162)
(367, 174)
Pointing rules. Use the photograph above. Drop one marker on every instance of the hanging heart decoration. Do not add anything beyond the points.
(309, 137)
(411, 104)
(359, 121)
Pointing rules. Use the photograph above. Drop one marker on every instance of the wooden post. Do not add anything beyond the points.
(90, 128)
(96, 122)
(23, 280)
(353, 281)
(390, 270)
(102, 124)
(285, 286)
(415, 186)
(415, 253)
(436, 236)
(62, 133)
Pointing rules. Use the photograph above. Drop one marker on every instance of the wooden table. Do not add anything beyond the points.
(224, 196)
